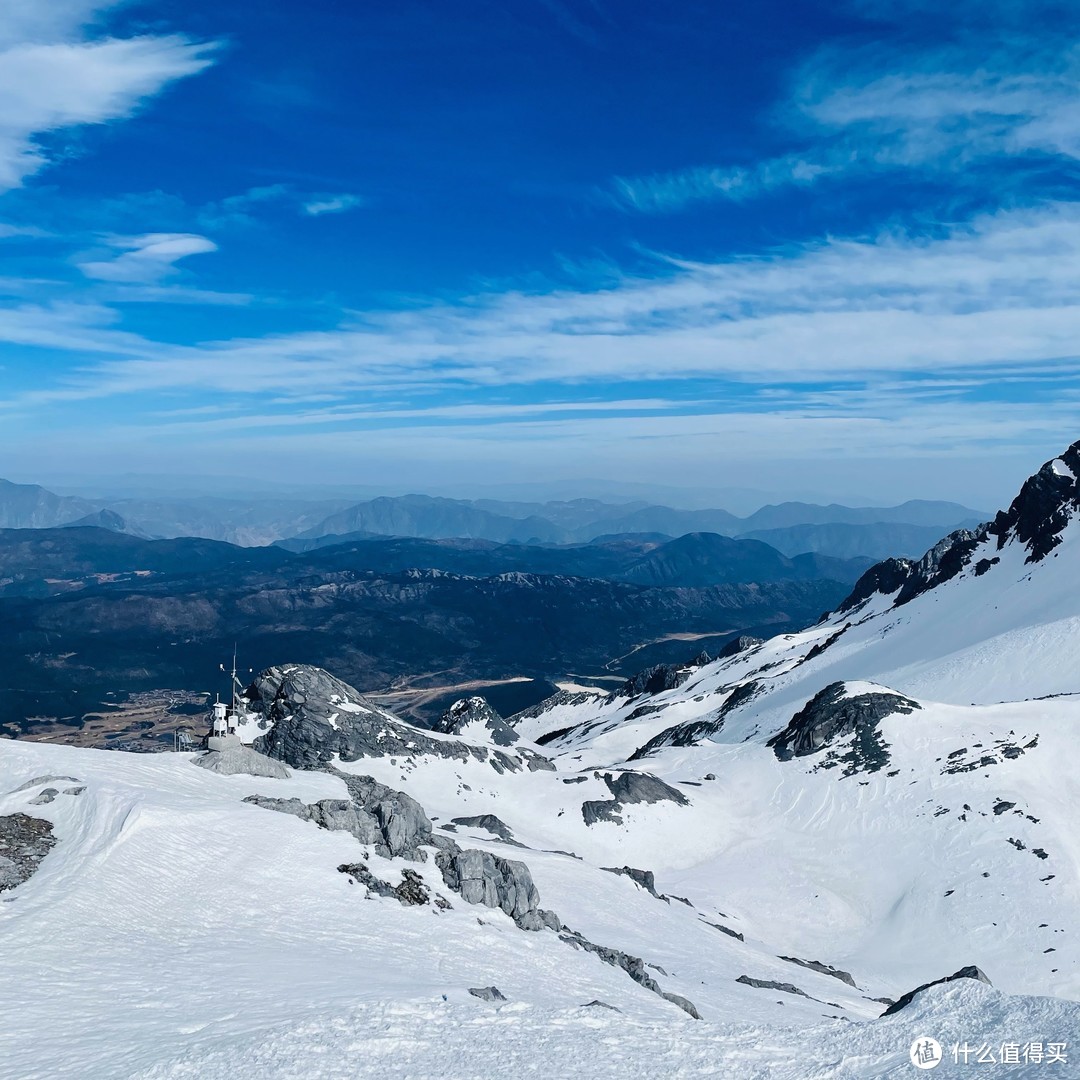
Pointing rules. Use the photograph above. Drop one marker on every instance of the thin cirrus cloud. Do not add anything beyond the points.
(999, 95)
(146, 260)
(53, 77)
(982, 301)
(318, 205)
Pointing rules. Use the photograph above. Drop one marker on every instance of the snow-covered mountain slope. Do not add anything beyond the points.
(775, 841)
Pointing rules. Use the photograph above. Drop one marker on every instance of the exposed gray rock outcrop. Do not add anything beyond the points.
(725, 930)
(241, 760)
(311, 717)
(769, 984)
(683, 1003)
(24, 842)
(489, 823)
(629, 787)
(642, 878)
(738, 645)
(487, 993)
(692, 732)
(475, 712)
(825, 969)
(655, 680)
(44, 797)
(969, 972)
(393, 823)
(410, 891)
(634, 966)
(37, 781)
(832, 714)
(482, 878)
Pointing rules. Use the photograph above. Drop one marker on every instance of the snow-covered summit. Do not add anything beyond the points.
(474, 719)
(1037, 521)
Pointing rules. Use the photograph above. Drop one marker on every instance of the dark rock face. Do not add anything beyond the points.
(472, 711)
(487, 993)
(885, 578)
(642, 878)
(390, 821)
(969, 972)
(630, 787)
(694, 731)
(726, 930)
(1046, 502)
(912, 578)
(24, 842)
(655, 680)
(411, 891)
(492, 824)
(825, 969)
(563, 697)
(829, 716)
(738, 645)
(768, 984)
(312, 716)
(1036, 518)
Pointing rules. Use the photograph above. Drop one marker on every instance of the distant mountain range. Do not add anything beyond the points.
(86, 611)
(582, 520)
(793, 528)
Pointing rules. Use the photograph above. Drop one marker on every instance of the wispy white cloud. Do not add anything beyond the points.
(332, 204)
(993, 297)
(27, 232)
(670, 191)
(1003, 90)
(145, 260)
(240, 209)
(53, 77)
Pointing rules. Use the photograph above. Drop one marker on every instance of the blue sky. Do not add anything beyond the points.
(818, 248)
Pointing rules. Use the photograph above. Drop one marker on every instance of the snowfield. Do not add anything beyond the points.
(786, 838)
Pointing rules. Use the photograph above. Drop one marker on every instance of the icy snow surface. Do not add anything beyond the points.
(176, 931)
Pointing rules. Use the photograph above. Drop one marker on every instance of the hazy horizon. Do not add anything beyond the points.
(741, 501)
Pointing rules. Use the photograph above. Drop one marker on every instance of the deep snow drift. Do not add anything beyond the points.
(775, 841)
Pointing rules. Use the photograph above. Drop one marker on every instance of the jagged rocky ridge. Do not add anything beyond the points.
(1036, 518)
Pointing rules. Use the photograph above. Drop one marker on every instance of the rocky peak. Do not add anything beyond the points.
(476, 714)
(313, 718)
(1046, 503)
(1037, 517)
